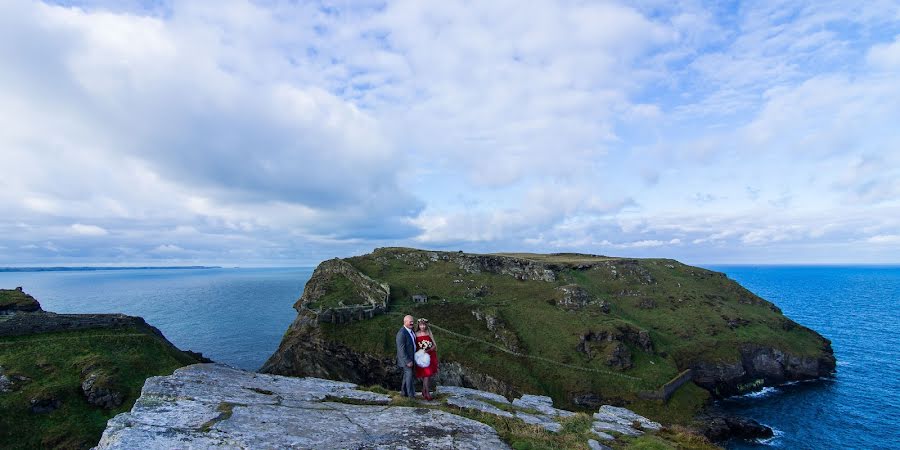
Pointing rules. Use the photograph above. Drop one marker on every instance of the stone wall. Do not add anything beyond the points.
(665, 392)
(348, 314)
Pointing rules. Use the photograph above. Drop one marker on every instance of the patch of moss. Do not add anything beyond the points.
(225, 410)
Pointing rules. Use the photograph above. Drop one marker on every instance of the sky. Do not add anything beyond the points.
(284, 133)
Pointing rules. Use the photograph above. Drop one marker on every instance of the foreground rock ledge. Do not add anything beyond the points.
(215, 406)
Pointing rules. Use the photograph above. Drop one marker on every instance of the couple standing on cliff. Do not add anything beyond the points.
(416, 356)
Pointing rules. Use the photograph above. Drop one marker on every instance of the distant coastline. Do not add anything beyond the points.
(83, 269)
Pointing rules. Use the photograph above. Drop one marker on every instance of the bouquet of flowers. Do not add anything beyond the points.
(425, 345)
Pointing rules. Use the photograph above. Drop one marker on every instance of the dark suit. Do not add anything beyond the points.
(406, 351)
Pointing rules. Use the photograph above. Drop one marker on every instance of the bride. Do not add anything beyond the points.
(426, 356)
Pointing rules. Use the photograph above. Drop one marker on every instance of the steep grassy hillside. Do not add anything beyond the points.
(583, 329)
(62, 376)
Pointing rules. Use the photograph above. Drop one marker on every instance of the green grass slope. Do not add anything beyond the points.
(523, 333)
(15, 299)
(52, 364)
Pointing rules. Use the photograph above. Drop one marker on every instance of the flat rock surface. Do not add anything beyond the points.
(532, 409)
(215, 406)
(620, 420)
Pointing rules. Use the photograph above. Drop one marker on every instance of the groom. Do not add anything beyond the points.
(406, 349)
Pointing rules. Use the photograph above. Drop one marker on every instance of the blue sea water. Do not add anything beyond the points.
(858, 308)
(237, 316)
(234, 316)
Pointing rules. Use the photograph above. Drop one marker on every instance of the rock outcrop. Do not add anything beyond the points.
(518, 268)
(762, 366)
(15, 300)
(573, 296)
(214, 406)
(722, 428)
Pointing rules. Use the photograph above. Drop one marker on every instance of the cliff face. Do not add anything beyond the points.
(306, 351)
(762, 366)
(573, 326)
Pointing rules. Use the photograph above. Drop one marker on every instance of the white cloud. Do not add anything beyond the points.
(283, 132)
(88, 230)
(885, 56)
(888, 239)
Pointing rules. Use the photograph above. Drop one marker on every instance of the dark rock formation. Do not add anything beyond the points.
(99, 387)
(761, 366)
(44, 404)
(15, 301)
(588, 400)
(454, 374)
(304, 351)
(722, 428)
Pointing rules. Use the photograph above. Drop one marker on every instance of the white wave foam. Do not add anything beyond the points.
(776, 435)
(764, 392)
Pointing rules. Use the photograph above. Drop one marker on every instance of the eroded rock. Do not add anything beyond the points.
(214, 406)
(621, 420)
(721, 428)
(99, 391)
(44, 404)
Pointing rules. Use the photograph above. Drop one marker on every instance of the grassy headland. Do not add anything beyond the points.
(574, 327)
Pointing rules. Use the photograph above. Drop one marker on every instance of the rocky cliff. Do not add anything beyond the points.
(215, 406)
(584, 329)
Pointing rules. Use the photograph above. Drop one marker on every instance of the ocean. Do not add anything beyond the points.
(233, 316)
(238, 316)
(858, 308)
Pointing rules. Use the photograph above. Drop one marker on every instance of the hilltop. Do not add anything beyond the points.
(62, 376)
(657, 335)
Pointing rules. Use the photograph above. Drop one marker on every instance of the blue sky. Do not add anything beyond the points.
(283, 133)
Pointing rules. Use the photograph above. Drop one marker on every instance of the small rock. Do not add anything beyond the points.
(5, 381)
(97, 395)
(588, 400)
(600, 425)
(722, 428)
(540, 403)
(602, 435)
(43, 405)
(470, 403)
(546, 422)
(625, 416)
(594, 445)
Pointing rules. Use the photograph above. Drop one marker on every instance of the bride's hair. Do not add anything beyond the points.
(427, 329)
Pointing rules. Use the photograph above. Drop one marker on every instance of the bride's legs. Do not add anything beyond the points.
(426, 391)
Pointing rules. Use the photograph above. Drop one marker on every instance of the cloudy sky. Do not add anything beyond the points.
(283, 133)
